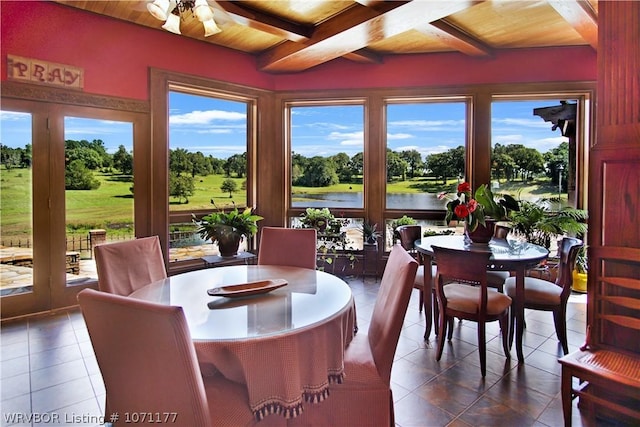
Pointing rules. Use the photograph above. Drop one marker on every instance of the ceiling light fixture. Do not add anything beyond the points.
(171, 12)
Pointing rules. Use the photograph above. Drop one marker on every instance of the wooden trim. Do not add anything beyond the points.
(258, 122)
(54, 95)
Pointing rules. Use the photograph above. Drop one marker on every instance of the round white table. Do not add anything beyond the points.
(287, 345)
(506, 255)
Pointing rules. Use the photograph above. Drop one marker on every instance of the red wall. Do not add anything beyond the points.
(116, 56)
(443, 69)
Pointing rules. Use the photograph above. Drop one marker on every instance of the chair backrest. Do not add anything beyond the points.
(569, 248)
(390, 308)
(408, 235)
(501, 231)
(295, 247)
(126, 266)
(146, 357)
(614, 299)
(468, 267)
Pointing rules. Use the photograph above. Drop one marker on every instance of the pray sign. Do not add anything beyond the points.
(43, 72)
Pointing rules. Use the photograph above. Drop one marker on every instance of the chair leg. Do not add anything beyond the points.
(482, 348)
(567, 395)
(512, 325)
(436, 314)
(421, 303)
(504, 333)
(450, 331)
(443, 328)
(561, 328)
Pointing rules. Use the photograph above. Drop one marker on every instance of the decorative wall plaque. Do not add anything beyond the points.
(29, 70)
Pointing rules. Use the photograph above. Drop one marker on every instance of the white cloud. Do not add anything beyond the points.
(394, 136)
(536, 123)
(13, 116)
(205, 117)
(329, 126)
(427, 125)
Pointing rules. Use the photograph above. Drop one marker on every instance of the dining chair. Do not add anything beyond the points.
(462, 292)
(149, 366)
(295, 247)
(408, 235)
(540, 294)
(126, 266)
(364, 397)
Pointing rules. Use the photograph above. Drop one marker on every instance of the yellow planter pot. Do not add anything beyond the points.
(579, 282)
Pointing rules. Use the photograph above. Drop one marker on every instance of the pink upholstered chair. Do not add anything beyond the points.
(295, 247)
(461, 289)
(126, 266)
(364, 398)
(149, 366)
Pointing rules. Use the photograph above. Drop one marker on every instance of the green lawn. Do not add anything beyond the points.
(111, 206)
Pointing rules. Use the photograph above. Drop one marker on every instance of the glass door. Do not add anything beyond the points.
(24, 144)
(98, 184)
(93, 191)
(66, 185)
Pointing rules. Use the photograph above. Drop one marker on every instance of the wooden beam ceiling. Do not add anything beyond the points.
(354, 29)
(581, 16)
(296, 35)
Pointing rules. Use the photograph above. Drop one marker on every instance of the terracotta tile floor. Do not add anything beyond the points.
(48, 367)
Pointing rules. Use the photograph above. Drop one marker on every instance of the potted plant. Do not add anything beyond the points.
(228, 228)
(370, 234)
(538, 224)
(580, 272)
(479, 212)
(316, 218)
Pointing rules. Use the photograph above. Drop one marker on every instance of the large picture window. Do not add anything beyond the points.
(425, 152)
(327, 156)
(537, 152)
(208, 168)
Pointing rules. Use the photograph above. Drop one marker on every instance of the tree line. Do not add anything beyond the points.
(509, 162)
(82, 158)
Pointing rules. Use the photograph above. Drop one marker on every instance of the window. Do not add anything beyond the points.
(425, 152)
(536, 146)
(208, 165)
(327, 156)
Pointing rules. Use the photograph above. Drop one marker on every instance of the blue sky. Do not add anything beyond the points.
(218, 127)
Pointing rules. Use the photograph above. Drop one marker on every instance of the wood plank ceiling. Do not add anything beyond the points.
(296, 35)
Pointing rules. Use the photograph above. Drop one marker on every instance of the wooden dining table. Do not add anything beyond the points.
(506, 255)
(287, 345)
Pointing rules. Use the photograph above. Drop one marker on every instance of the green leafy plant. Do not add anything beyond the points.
(316, 218)
(218, 226)
(474, 209)
(582, 262)
(370, 233)
(538, 224)
(404, 220)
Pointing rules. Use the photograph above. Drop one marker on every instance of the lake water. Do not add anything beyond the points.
(424, 201)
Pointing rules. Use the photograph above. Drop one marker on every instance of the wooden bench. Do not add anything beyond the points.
(608, 365)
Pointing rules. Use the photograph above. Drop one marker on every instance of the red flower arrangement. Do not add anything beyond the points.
(474, 209)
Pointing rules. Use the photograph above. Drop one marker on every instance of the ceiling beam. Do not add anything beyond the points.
(455, 38)
(269, 24)
(364, 56)
(581, 16)
(354, 29)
